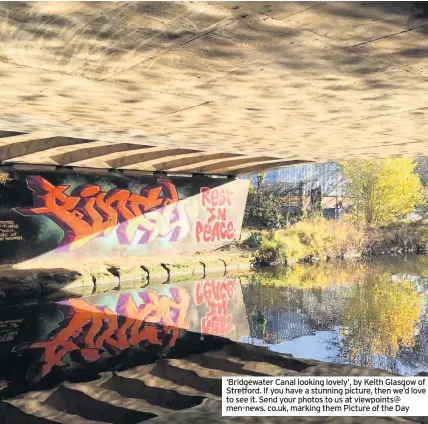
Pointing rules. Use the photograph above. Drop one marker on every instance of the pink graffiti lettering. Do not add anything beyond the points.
(216, 228)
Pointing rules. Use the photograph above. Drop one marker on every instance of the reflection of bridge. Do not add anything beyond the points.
(216, 88)
(298, 312)
(282, 325)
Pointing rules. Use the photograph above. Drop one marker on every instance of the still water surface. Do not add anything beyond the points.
(372, 313)
(368, 313)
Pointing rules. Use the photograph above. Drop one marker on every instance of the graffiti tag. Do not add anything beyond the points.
(216, 227)
(94, 330)
(215, 295)
(89, 212)
(4, 178)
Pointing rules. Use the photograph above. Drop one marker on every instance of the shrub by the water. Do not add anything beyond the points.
(311, 240)
(400, 237)
(253, 241)
(279, 249)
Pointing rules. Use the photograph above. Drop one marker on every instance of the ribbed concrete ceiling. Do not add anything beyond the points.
(226, 88)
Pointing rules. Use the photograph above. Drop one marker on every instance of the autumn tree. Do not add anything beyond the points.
(382, 189)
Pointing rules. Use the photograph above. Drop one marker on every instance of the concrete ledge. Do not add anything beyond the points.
(80, 279)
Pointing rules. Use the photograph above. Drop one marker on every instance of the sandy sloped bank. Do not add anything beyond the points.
(176, 390)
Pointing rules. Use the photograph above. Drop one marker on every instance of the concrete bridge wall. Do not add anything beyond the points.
(211, 87)
(63, 218)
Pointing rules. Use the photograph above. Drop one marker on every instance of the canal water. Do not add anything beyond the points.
(371, 313)
(368, 313)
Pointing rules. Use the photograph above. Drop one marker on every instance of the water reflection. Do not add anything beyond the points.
(42, 344)
(380, 316)
(370, 313)
(367, 313)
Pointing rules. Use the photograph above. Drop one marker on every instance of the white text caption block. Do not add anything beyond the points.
(325, 396)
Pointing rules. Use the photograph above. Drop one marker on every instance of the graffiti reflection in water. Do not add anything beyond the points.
(100, 328)
(101, 332)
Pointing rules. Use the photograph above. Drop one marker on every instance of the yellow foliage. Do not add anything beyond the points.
(278, 248)
(382, 189)
(328, 238)
(319, 276)
(311, 239)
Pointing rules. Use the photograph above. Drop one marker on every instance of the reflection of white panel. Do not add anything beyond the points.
(197, 311)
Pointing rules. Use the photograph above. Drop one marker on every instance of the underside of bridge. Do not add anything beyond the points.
(215, 88)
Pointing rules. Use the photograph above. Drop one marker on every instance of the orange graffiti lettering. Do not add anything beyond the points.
(89, 212)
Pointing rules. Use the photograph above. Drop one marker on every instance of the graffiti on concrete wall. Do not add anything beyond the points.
(68, 216)
(89, 212)
(9, 231)
(216, 227)
(4, 178)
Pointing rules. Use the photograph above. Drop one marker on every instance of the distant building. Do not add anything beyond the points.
(317, 186)
(328, 176)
